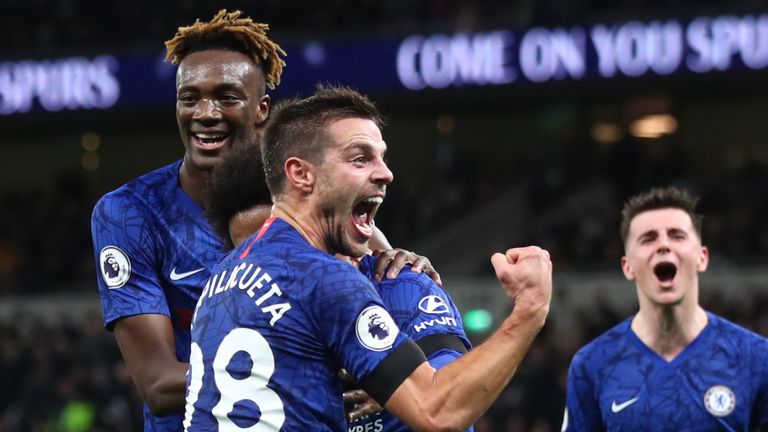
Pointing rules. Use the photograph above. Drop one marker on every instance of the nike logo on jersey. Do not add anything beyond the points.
(179, 276)
(620, 407)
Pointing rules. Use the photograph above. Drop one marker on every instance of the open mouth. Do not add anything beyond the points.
(363, 213)
(209, 140)
(665, 271)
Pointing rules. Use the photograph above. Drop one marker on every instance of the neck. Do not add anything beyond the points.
(668, 329)
(194, 181)
(303, 220)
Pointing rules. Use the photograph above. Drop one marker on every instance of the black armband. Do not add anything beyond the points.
(391, 372)
(436, 342)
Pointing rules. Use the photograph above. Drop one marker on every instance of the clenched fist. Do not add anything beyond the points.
(526, 275)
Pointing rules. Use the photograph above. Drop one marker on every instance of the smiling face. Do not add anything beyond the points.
(220, 105)
(351, 184)
(664, 256)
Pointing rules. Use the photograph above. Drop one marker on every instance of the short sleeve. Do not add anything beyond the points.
(442, 357)
(352, 318)
(421, 308)
(124, 244)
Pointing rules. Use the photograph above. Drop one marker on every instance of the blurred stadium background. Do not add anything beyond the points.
(510, 123)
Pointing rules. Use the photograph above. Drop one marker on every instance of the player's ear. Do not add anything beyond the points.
(703, 261)
(627, 269)
(299, 174)
(263, 110)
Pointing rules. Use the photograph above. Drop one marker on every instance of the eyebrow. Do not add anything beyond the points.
(648, 234)
(675, 230)
(363, 145)
(654, 233)
(217, 88)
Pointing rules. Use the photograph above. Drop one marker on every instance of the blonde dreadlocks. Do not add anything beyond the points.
(225, 27)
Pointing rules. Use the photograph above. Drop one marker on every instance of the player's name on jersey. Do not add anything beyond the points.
(253, 281)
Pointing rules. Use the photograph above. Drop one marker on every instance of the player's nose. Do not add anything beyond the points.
(206, 109)
(381, 173)
(663, 244)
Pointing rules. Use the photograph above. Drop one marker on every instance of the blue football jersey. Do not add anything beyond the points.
(274, 324)
(424, 311)
(719, 382)
(154, 251)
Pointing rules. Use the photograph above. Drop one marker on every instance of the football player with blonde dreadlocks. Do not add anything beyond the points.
(153, 245)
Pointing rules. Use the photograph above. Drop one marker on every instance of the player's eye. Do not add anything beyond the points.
(230, 99)
(187, 99)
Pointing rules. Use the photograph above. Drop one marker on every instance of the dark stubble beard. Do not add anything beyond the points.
(338, 240)
(340, 247)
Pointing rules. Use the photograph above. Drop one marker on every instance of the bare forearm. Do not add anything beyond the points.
(161, 386)
(455, 396)
(466, 388)
(148, 348)
(458, 394)
(165, 394)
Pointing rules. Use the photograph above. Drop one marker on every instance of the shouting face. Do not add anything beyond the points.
(664, 256)
(351, 184)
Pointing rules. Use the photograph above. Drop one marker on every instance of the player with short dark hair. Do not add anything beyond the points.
(298, 130)
(281, 314)
(154, 249)
(673, 366)
(238, 205)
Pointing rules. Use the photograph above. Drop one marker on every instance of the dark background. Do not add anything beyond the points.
(476, 169)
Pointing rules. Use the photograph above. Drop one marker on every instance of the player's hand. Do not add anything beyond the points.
(357, 403)
(392, 261)
(526, 275)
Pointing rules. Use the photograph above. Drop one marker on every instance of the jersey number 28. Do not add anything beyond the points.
(252, 388)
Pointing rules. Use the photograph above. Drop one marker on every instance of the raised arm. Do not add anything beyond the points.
(453, 397)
